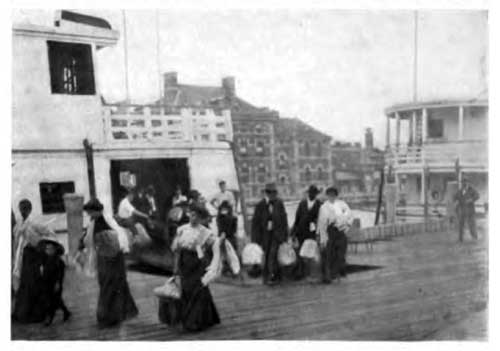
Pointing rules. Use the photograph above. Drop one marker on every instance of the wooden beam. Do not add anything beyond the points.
(89, 154)
(398, 128)
(424, 125)
(388, 133)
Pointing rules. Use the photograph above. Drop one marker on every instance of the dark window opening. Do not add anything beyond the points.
(52, 196)
(436, 128)
(71, 68)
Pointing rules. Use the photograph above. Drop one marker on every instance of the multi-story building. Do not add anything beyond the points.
(253, 127)
(303, 157)
(356, 168)
(444, 141)
(57, 105)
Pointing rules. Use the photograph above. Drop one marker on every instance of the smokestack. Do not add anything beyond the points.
(229, 86)
(368, 138)
(169, 80)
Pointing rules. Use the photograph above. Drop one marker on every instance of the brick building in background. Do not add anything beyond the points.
(268, 148)
(303, 157)
(253, 127)
(356, 168)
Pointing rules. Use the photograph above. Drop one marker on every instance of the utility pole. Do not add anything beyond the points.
(125, 49)
(415, 58)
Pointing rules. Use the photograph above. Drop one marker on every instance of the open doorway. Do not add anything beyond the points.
(164, 174)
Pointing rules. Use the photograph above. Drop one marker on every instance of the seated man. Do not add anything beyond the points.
(127, 212)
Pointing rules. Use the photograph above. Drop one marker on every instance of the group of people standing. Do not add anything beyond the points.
(323, 222)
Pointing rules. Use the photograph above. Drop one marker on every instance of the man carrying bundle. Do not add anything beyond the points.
(333, 222)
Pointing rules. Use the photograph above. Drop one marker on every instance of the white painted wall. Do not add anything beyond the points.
(36, 110)
(476, 123)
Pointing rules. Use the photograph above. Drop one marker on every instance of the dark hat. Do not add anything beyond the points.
(313, 190)
(182, 204)
(93, 205)
(201, 211)
(225, 204)
(270, 188)
(53, 241)
(332, 191)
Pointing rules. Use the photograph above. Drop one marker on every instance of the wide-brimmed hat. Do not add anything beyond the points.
(271, 188)
(313, 189)
(93, 205)
(201, 211)
(53, 241)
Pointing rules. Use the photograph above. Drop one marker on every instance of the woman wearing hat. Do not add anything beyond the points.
(108, 243)
(193, 246)
(304, 227)
(27, 278)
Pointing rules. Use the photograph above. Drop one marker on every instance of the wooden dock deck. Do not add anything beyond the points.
(429, 287)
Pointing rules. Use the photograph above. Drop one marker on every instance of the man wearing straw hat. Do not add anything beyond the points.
(269, 230)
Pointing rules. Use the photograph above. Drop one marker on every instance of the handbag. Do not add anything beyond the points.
(310, 250)
(171, 289)
(232, 257)
(252, 254)
(286, 254)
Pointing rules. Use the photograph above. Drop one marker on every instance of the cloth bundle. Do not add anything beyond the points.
(310, 250)
(171, 288)
(231, 257)
(252, 254)
(286, 254)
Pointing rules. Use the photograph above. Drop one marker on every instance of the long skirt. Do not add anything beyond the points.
(115, 303)
(29, 306)
(198, 311)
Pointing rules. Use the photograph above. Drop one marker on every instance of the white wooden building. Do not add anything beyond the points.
(57, 104)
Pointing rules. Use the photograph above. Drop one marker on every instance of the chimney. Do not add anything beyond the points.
(368, 138)
(228, 85)
(169, 80)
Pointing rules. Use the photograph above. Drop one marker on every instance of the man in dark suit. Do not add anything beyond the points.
(269, 230)
(304, 227)
(465, 198)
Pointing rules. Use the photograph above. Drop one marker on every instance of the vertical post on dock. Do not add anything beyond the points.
(425, 184)
(73, 204)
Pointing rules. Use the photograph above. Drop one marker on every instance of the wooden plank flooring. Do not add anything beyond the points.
(430, 287)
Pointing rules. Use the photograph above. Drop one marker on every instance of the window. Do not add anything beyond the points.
(307, 149)
(283, 179)
(321, 174)
(319, 151)
(307, 174)
(71, 68)
(435, 128)
(259, 147)
(52, 196)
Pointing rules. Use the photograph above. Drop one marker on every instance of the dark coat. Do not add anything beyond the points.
(260, 220)
(465, 202)
(227, 224)
(303, 218)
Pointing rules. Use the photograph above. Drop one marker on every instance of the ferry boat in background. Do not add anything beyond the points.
(434, 143)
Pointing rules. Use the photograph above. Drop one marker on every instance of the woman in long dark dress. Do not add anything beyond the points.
(115, 303)
(29, 306)
(198, 258)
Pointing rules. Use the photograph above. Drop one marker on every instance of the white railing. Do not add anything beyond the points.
(162, 124)
(469, 153)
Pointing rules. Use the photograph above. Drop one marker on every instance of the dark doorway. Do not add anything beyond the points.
(163, 174)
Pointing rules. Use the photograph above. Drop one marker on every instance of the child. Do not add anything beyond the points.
(52, 270)
(227, 225)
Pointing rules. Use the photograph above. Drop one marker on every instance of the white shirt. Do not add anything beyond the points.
(337, 212)
(310, 203)
(220, 197)
(152, 202)
(126, 209)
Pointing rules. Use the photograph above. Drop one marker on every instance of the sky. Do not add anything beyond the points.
(334, 69)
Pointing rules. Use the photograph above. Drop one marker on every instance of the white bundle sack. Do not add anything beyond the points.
(286, 254)
(310, 250)
(171, 289)
(252, 254)
(232, 257)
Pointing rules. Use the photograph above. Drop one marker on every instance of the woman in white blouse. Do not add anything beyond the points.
(197, 252)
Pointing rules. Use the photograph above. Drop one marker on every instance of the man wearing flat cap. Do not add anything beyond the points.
(269, 230)
(465, 199)
(306, 219)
